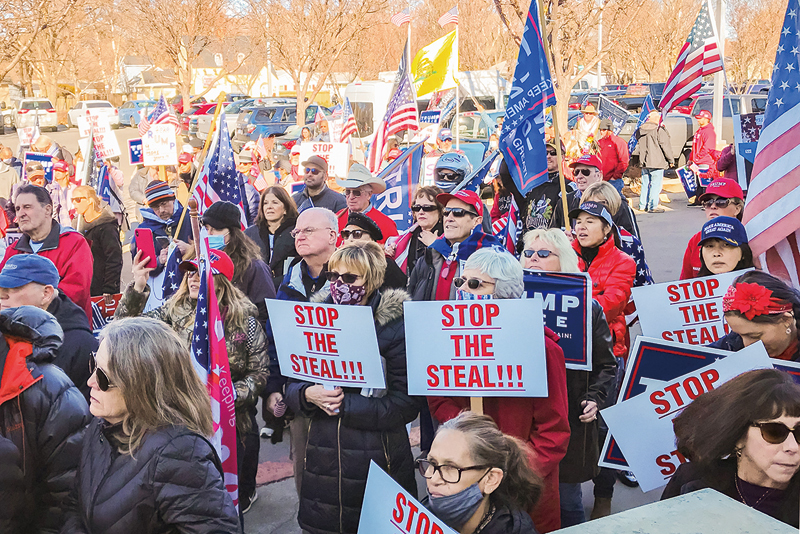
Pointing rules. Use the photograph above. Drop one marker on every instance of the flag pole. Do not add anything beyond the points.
(408, 39)
(557, 141)
(458, 95)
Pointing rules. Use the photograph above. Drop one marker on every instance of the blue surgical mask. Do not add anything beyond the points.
(217, 242)
(466, 295)
(456, 509)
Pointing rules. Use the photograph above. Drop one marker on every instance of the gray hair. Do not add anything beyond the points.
(503, 267)
(333, 222)
(555, 238)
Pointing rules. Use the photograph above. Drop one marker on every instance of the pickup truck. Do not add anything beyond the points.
(731, 105)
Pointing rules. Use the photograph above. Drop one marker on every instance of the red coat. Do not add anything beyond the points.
(615, 157)
(704, 146)
(387, 226)
(612, 273)
(541, 423)
(73, 258)
(691, 258)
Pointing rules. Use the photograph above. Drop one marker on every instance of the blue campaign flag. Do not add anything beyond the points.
(522, 138)
(135, 151)
(45, 160)
(402, 178)
(647, 107)
(606, 109)
(688, 180)
(430, 117)
(567, 307)
(474, 180)
(103, 185)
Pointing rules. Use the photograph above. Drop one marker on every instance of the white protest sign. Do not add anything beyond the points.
(476, 348)
(642, 425)
(686, 311)
(428, 170)
(105, 141)
(26, 135)
(387, 507)
(334, 153)
(159, 145)
(84, 126)
(335, 128)
(327, 344)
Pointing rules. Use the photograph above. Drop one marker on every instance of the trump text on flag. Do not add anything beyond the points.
(327, 344)
(474, 348)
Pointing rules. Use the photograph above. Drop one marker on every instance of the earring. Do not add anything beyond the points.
(738, 453)
(788, 330)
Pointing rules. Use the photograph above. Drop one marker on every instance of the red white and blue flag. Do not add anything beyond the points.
(505, 228)
(350, 127)
(400, 115)
(451, 17)
(772, 212)
(162, 114)
(401, 248)
(401, 18)
(210, 359)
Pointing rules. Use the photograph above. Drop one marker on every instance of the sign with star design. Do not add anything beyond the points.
(135, 151)
(746, 132)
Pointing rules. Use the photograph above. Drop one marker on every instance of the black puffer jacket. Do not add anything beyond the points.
(42, 416)
(583, 452)
(103, 237)
(367, 428)
(79, 342)
(281, 250)
(174, 484)
(507, 521)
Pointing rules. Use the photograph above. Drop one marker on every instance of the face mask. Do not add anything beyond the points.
(456, 509)
(217, 242)
(347, 294)
(466, 295)
(492, 144)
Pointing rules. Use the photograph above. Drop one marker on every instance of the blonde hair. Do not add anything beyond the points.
(604, 193)
(153, 370)
(237, 307)
(361, 257)
(555, 238)
(88, 192)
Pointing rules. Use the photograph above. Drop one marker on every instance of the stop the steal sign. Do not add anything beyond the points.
(476, 348)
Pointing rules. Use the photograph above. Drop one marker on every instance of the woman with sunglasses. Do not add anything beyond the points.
(478, 479)
(541, 423)
(272, 231)
(427, 227)
(245, 341)
(723, 197)
(587, 391)
(99, 226)
(146, 465)
(723, 247)
(349, 427)
(359, 227)
(741, 439)
(760, 307)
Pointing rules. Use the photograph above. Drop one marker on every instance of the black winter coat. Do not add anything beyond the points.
(583, 452)
(506, 521)
(416, 248)
(103, 237)
(367, 428)
(173, 485)
(423, 278)
(281, 250)
(734, 343)
(256, 283)
(79, 342)
(42, 419)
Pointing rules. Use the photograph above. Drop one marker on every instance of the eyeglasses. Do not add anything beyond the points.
(552, 153)
(420, 207)
(585, 172)
(449, 473)
(352, 192)
(102, 378)
(776, 433)
(458, 212)
(75, 200)
(449, 176)
(472, 283)
(347, 278)
(306, 231)
(311, 170)
(355, 234)
(719, 203)
(541, 253)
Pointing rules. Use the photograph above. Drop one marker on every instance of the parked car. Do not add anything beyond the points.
(132, 111)
(93, 107)
(176, 102)
(272, 119)
(235, 97)
(6, 115)
(203, 124)
(731, 105)
(30, 108)
(195, 111)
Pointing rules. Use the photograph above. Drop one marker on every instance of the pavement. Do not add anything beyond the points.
(664, 236)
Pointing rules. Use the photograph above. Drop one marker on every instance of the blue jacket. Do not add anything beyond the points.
(162, 228)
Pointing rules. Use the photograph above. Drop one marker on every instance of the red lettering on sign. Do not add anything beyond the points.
(461, 315)
(315, 315)
(670, 399)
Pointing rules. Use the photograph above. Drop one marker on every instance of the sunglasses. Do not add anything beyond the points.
(719, 203)
(352, 192)
(102, 378)
(776, 433)
(450, 176)
(585, 172)
(355, 234)
(472, 283)
(427, 209)
(310, 170)
(347, 278)
(541, 253)
(75, 200)
(458, 212)
(552, 153)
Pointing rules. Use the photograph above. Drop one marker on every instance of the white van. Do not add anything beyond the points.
(369, 101)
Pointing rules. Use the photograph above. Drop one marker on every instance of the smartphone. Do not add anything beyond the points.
(145, 244)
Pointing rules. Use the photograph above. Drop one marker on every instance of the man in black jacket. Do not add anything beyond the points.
(42, 420)
(32, 280)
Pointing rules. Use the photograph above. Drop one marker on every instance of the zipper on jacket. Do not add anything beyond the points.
(385, 446)
(339, 449)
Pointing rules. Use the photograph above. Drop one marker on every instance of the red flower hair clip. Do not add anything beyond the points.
(751, 300)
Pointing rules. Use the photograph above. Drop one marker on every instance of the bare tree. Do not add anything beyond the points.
(756, 27)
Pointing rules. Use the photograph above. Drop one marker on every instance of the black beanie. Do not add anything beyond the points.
(222, 215)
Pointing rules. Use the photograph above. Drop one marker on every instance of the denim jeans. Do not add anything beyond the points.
(651, 188)
(572, 512)
(618, 185)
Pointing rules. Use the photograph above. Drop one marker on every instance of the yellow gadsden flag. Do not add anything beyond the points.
(434, 67)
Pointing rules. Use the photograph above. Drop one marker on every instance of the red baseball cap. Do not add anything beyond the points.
(705, 114)
(590, 160)
(221, 263)
(394, 153)
(723, 187)
(185, 158)
(61, 166)
(469, 197)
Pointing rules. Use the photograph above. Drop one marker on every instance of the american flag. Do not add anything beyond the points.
(261, 148)
(319, 117)
(400, 115)
(210, 359)
(772, 212)
(218, 179)
(350, 127)
(172, 273)
(505, 228)
(401, 243)
(401, 18)
(162, 114)
(647, 107)
(699, 57)
(451, 17)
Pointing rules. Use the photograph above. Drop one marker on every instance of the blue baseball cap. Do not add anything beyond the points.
(728, 229)
(22, 269)
(445, 134)
(593, 208)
